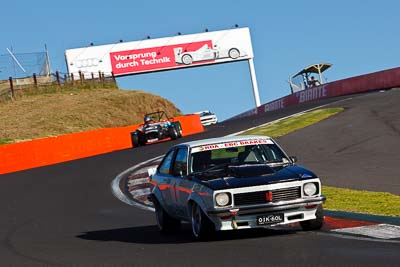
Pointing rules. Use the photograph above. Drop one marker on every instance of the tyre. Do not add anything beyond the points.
(234, 53)
(142, 141)
(202, 227)
(178, 129)
(165, 223)
(173, 133)
(135, 140)
(315, 224)
(187, 59)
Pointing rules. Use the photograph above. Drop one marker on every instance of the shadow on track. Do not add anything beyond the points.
(151, 235)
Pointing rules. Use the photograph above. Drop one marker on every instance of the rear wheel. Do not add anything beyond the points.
(234, 53)
(315, 224)
(165, 222)
(173, 133)
(178, 129)
(202, 227)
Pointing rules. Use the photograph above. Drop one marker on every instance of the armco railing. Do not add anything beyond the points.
(364, 83)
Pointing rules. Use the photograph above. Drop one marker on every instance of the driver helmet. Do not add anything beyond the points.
(147, 119)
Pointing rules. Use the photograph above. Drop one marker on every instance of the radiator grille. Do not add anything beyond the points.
(152, 135)
(259, 197)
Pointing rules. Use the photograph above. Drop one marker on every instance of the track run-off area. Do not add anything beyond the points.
(67, 215)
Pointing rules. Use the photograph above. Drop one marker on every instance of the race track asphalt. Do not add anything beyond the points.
(65, 214)
(359, 148)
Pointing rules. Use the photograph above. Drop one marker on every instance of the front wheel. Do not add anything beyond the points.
(201, 224)
(187, 59)
(135, 140)
(316, 223)
(165, 222)
(142, 141)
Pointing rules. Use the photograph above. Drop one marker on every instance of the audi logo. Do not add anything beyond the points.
(89, 62)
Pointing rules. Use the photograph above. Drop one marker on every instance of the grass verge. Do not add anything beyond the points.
(6, 141)
(295, 123)
(75, 110)
(377, 203)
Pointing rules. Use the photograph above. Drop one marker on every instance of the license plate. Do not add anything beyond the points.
(270, 219)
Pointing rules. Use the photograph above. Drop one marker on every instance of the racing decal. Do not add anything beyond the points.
(232, 144)
(162, 57)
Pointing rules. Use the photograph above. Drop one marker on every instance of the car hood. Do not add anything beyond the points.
(245, 176)
(154, 124)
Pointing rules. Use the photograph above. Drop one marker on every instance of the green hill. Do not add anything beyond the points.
(73, 110)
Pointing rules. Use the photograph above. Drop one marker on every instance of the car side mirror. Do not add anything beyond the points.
(178, 173)
(293, 159)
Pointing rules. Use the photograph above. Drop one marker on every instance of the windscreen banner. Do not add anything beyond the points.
(150, 55)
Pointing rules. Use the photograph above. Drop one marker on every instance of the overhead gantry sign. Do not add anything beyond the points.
(175, 52)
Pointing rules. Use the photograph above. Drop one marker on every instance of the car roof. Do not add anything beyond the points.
(225, 139)
(203, 111)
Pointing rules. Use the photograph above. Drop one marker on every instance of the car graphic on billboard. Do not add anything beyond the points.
(206, 53)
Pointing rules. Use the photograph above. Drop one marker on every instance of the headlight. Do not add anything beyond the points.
(222, 199)
(310, 189)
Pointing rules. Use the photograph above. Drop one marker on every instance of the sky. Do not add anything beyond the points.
(357, 37)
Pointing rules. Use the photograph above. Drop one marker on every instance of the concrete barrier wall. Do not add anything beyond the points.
(364, 83)
(51, 150)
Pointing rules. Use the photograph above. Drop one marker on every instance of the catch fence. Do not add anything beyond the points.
(13, 88)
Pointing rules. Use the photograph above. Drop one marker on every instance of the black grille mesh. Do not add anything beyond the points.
(259, 197)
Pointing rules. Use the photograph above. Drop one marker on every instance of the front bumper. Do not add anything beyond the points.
(209, 121)
(152, 136)
(246, 217)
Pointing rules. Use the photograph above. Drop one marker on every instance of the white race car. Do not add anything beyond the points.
(234, 183)
(207, 117)
(206, 53)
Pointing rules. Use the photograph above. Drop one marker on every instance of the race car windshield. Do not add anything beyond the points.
(210, 162)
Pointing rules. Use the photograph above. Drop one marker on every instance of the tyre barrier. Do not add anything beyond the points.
(57, 149)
